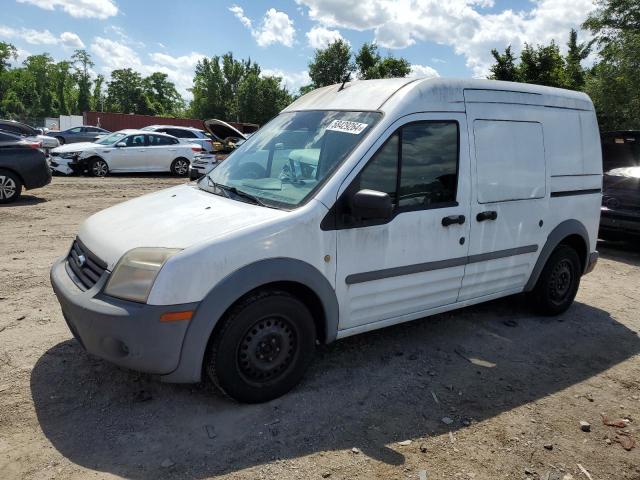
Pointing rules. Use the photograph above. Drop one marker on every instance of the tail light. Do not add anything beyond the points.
(35, 145)
(196, 148)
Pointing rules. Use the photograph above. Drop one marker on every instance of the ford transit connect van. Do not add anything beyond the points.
(360, 206)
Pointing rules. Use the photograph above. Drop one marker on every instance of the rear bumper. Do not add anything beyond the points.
(126, 333)
(622, 221)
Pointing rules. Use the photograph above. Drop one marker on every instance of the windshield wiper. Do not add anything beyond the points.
(235, 191)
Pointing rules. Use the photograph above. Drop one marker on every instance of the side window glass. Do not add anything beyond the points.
(429, 166)
(135, 141)
(381, 171)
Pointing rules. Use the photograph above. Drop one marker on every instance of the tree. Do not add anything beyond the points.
(7, 52)
(613, 83)
(125, 93)
(162, 94)
(83, 63)
(62, 79)
(505, 67)
(97, 98)
(577, 52)
(261, 98)
(371, 64)
(331, 64)
(542, 65)
(208, 98)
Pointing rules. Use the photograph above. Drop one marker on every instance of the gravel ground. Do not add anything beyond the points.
(488, 392)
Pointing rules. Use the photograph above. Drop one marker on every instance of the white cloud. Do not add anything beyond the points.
(320, 37)
(423, 71)
(72, 40)
(79, 8)
(41, 37)
(276, 27)
(114, 55)
(290, 80)
(461, 24)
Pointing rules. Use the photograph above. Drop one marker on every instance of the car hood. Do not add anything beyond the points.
(74, 147)
(178, 217)
(222, 130)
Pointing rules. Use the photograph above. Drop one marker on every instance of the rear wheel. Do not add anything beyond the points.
(10, 186)
(98, 168)
(559, 281)
(263, 348)
(180, 167)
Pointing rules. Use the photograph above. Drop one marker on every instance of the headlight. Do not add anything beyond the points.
(69, 154)
(136, 271)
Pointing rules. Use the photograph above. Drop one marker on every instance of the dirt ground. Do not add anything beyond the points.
(488, 392)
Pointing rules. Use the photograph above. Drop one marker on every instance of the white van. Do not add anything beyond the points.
(360, 206)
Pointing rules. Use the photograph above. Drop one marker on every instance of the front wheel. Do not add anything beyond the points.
(10, 186)
(180, 167)
(263, 347)
(98, 168)
(559, 281)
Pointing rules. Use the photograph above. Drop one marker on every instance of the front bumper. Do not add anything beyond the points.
(126, 333)
(196, 172)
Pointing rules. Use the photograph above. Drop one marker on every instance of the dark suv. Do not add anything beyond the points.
(620, 213)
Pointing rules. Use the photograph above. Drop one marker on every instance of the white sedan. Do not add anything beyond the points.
(125, 151)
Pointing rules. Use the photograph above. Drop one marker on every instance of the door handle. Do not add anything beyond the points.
(451, 219)
(488, 215)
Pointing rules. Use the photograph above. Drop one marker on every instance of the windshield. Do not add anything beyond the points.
(111, 139)
(283, 162)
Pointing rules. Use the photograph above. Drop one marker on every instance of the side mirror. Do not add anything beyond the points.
(121, 144)
(371, 204)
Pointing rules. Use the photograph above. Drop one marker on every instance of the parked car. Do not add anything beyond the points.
(80, 134)
(227, 138)
(22, 165)
(358, 207)
(185, 135)
(29, 133)
(620, 212)
(125, 151)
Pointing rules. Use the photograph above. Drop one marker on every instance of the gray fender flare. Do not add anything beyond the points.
(226, 292)
(562, 231)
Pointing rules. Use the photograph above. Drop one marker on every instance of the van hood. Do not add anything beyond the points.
(222, 130)
(75, 147)
(178, 217)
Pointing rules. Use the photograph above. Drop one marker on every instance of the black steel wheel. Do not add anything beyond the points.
(559, 281)
(263, 347)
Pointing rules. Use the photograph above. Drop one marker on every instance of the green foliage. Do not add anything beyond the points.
(226, 88)
(97, 97)
(371, 64)
(331, 64)
(83, 63)
(505, 67)
(614, 83)
(126, 94)
(162, 95)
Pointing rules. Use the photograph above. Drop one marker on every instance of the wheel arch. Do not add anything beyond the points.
(15, 172)
(294, 276)
(570, 232)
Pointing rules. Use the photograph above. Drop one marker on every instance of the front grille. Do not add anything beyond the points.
(86, 267)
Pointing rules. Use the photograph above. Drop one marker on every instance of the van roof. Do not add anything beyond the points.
(432, 94)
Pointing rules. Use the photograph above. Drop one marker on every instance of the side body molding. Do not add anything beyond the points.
(234, 286)
(563, 230)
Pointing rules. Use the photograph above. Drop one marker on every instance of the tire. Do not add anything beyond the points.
(10, 186)
(559, 281)
(263, 348)
(98, 168)
(60, 140)
(180, 167)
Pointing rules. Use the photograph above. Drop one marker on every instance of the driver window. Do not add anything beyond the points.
(135, 141)
(429, 167)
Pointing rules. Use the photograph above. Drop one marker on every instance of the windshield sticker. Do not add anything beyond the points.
(346, 126)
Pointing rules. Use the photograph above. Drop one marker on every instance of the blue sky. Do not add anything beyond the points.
(449, 38)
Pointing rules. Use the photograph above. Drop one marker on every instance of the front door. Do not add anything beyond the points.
(399, 268)
(132, 157)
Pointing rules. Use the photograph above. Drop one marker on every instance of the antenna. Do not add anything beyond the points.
(345, 80)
